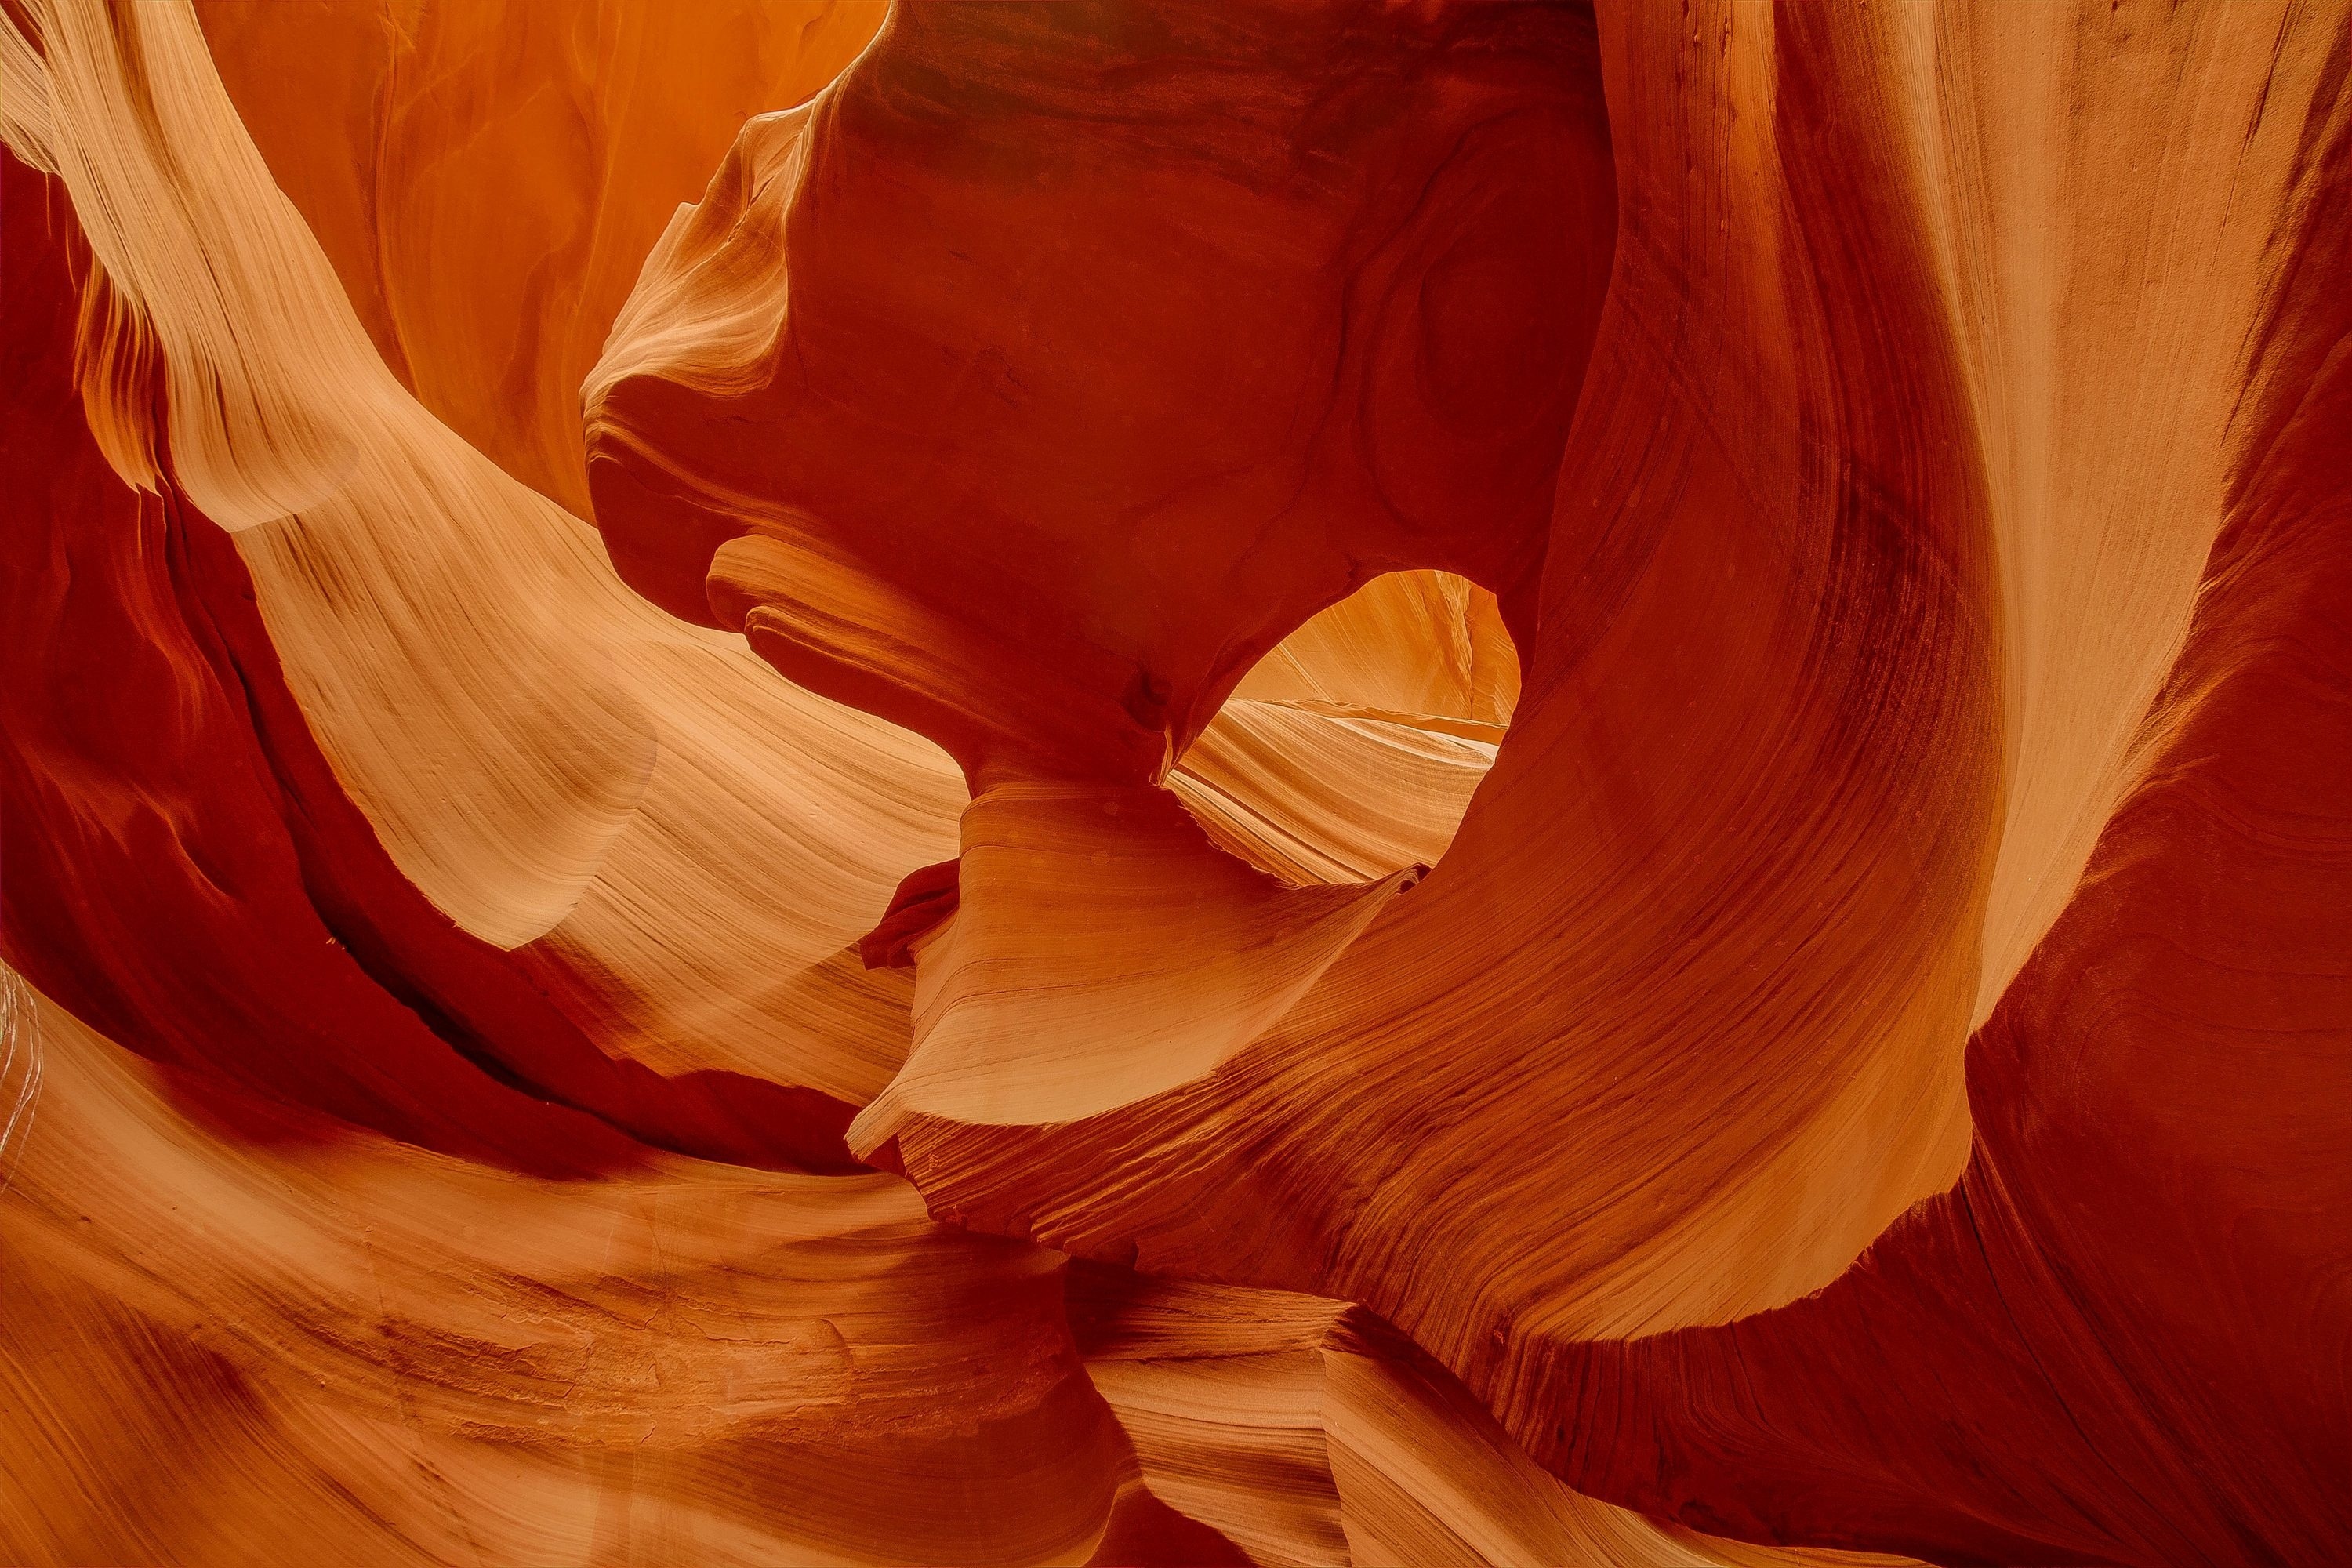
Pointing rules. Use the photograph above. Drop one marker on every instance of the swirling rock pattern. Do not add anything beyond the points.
(1063, 782)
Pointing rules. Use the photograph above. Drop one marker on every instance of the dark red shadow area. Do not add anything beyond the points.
(2127, 1336)
(180, 868)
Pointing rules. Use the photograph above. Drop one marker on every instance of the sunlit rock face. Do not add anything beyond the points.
(1309, 783)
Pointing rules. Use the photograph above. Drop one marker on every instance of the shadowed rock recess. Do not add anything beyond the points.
(1423, 783)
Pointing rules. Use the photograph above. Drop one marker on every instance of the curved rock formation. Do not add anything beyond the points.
(1192, 784)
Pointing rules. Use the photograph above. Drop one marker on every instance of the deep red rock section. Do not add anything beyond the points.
(185, 874)
(2121, 1337)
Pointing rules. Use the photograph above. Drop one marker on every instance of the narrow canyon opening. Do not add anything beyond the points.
(1352, 750)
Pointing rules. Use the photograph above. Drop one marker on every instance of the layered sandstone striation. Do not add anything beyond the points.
(951, 784)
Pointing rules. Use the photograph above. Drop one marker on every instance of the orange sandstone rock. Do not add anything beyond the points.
(1350, 783)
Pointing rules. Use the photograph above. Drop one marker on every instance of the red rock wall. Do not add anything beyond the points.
(1020, 784)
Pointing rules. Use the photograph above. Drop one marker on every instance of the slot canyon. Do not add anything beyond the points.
(1328, 784)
